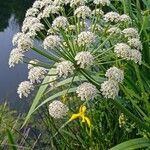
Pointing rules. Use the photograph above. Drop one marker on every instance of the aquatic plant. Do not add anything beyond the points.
(91, 55)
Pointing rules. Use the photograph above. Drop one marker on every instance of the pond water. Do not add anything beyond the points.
(11, 16)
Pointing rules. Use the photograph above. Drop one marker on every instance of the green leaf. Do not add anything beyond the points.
(133, 144)
(37, 97)
(11, 140)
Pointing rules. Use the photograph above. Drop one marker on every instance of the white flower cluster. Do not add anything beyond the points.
(51, 41)
(86, 38)
(77, 2)
(112, 17)
(110, 88)
(114, 31)
(130, 33)
(32, 12)
(64, 68)
(84, 59)
(57, 109)
(60, 23)
(124, 51)
(25, 89)
(97, 12)
(135, 43)
(36, 74)
(125, 18)
(102, 2)
(50, 9)
(83, 12)
(115, 74)
(16, 56)
(86, 91)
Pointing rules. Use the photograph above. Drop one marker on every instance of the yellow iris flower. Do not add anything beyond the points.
(81, 115)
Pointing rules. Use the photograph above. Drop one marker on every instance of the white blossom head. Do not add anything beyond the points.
(60, 23)
(122, 50)
(114, 31)
(110, 89)
(16, 37)
(50, 9)
(16, 56)
(97, 12)
(86, 38)
(38, 4)
(32, 12)
(86, 91)
(115, 74)
(28, 22)
(130, 33)
(112, 17)
(57, 109)
(125, 18)
(25, 42)
(64, 68)
(102, 2)
(83, 12)
(36, 74)
(84, 59)
(51, 41)
(77, 2)
(25, 89)
(135, 43)
(136, 56)
(36, 27)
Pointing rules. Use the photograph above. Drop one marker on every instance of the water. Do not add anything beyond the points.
(11, 16)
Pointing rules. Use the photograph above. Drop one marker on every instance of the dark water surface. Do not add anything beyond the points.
(11, 16)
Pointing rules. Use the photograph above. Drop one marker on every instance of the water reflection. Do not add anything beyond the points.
(11, 17)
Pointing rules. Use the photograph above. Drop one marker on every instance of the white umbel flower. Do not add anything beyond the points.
(125, 18)
(50, 9)
(25, 42)
(114, 31)
(25, 89)
(135, 43)
(97, 12)
(38, 4)
(28, 22)
(64, 68)
(122, 50)
(77, 2)
(16, 37)
(36, 74)
(86, 91)
(36, 27)
(16, 56)
(130, 33)
(110, 89)
(112, 17)
(60, 23)
(84, 59)
(83, 12)
(57, 109)
(136, 56)
(86, 37)
(102, 2)
(115, 74)
(32, 12)
(52, 41)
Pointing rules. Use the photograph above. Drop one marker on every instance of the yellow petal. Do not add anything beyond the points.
(88, 121)
(82, 109)
(74, 116)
